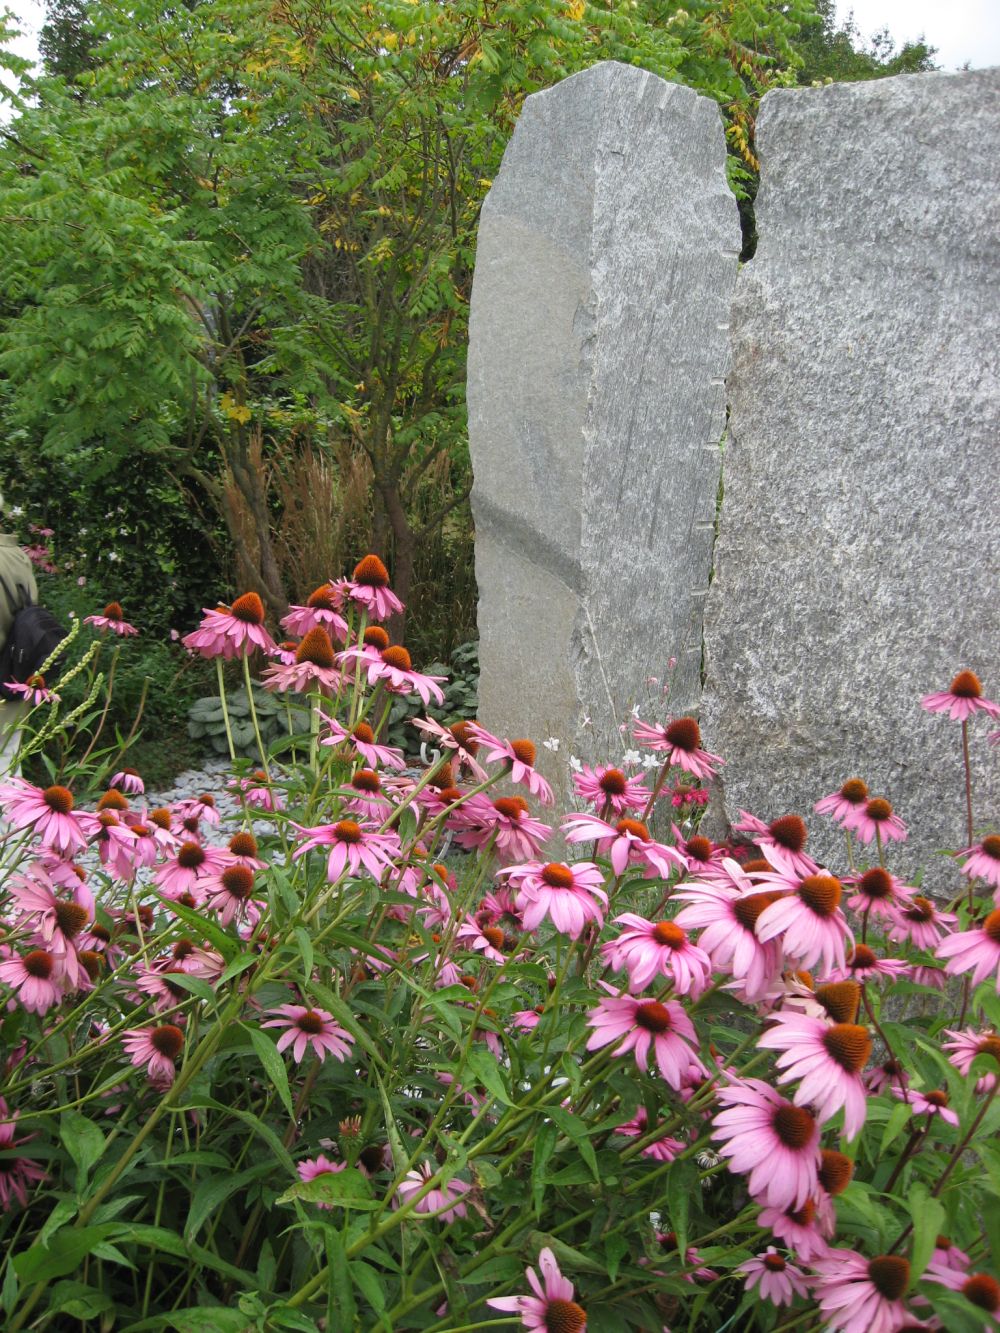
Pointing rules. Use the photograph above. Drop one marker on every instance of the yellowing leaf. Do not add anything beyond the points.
(575, 9)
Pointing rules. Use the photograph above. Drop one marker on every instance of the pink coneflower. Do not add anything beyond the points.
(625, 842)
(782, 842)
(458, 740)
(552, 1308)
(979, 1289)
(17, 1173)
(610, 790)
(947, 1255)
(369, 588)
(395, 670)
(36, 978)
(863, 964)
(186, 870)
(664, 1149)
(444, 1200)
(680, 742)
(111, 618)
(199, 808)
(230, 892)
(644, 1026)
(983, 861)
(879, 894)
(487, 940)
(859, 1295)
(313, 1167)
(33, 691)
(692, 1262)
(804, 1230)
(128, 781)
(353, 847)
(505, 822)
(700, 854)
(367, 797)
(844, 805)
(362, 739)
(313, 667)
(156, 1048)
(305, 1027)
(321, 610)
(257, 792)
(976, 950)
(727, 918)
(887, 1077)
(828, 1059)
(965, 1046)
(48, 814)
(922, 923)
(519, 755)
(808, 920)
(117, 846)
(770, 1139)
(877, 820)
(777, 1280)
(647, 949)
(235, 631)
(933, 1103)
(569, 896)
(242, 850)
(962, 698)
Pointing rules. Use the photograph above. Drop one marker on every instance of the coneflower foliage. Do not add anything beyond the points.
(404, 1048)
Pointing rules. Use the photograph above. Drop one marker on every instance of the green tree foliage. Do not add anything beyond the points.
(238, 228)
(836, 52)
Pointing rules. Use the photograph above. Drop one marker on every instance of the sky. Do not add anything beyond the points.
(962, 30)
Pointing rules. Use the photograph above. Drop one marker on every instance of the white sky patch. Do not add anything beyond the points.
(962, 30)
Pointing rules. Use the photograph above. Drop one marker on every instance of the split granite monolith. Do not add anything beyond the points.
(859, 549)
(606, 258)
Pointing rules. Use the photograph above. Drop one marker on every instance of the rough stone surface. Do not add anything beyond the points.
(857, 561)
(606, 258)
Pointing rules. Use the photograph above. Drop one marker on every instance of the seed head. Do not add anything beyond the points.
(316, 648)
(249, 608)
(371, 573)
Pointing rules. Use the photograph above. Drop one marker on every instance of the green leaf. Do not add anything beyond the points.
(79, 1301)
(545, 1143)
(8, 1293)
(341, 1287)
(484, 1068)
(927, 1215)
(575, 1129)
(82, 1140)
(238, 965)
(682, 1182)
(215, 1191)
(898, 1117)
(304, 941)
(273, 1064)
(347, 1189)
(369, 1284)
(66, 1250)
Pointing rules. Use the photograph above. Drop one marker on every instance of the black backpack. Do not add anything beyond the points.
(34, 635)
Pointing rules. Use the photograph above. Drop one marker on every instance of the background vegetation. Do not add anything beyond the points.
(235, 264)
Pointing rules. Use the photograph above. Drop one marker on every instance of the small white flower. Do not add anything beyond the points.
(113, 556)
(631, 757)
(650, 761)
(575, 764)
(552, 744)
(17, 511)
